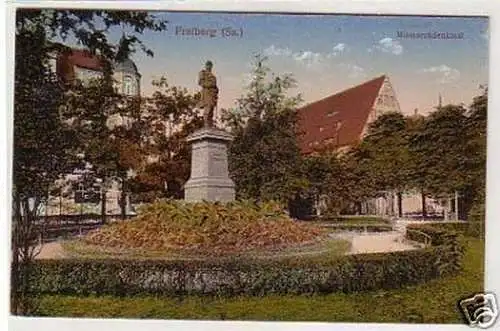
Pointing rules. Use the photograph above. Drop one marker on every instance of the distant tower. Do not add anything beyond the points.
(440, 101)
(415, 112)
(128, 77)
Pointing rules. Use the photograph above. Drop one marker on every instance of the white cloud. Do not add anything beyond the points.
(308, 58)
(277, 51)
(445, 74)
(353, 70)
(339, 49)
(388, 45)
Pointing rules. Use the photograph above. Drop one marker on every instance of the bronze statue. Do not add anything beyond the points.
(209, 93)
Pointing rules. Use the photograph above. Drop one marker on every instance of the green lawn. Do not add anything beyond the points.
(433, 302)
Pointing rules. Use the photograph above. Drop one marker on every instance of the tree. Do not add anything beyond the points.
(417, 175)
(42, 149)
(477, 132)
(264, 157)
(171, 117)
(45, 144)
(442, 152)
(385, 150)
(473, 196)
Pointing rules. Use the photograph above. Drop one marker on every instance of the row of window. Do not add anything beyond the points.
(129, 85)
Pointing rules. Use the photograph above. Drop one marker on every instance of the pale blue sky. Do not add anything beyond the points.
(325, 53)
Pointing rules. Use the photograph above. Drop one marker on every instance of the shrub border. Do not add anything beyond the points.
(350, 273)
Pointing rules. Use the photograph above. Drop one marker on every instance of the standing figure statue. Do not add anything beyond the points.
(209, 93)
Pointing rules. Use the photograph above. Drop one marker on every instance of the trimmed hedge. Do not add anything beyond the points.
(121, 277)
(351, 273)
(449, 244)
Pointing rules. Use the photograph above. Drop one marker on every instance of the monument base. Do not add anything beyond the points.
(209, 179)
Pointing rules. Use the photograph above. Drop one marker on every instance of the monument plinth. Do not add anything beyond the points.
(209, 179)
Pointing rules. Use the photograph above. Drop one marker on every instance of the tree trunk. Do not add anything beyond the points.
(23, 254)
(424, 207)
(400, 204)
(103, 207)
(14, 304)
(123, 200)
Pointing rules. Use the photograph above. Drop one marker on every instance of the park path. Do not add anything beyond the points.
(360, 243)
(51, 250)
(379, 243)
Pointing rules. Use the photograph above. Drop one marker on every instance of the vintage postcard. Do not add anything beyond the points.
(250, 166)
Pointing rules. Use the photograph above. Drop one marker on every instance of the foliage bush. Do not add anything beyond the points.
(449, 245)
(230, 276)
(476, 221)
(212, 228)
(347, 274)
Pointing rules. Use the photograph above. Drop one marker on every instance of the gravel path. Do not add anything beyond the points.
(360, 243)
(51, 250)
(378, 243)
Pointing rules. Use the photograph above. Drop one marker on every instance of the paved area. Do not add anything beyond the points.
(360, 243)
(51, 250)
(375, 242)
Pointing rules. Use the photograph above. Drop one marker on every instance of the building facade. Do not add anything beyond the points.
(81, 65)
(341, 121)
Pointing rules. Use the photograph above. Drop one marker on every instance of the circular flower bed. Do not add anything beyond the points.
(207, 228)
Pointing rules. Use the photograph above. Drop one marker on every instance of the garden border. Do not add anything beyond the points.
(352, 273)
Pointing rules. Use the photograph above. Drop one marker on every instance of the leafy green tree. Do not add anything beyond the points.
(473, 196)
(110, 129)
(440, 149)
(385, 150)
(417, 174)
(45, 145)
(477, 132)
(171, 117)
(264, 157)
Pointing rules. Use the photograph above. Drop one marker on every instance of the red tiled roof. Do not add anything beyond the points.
(76, 57)
(345, 113)
(84, 59)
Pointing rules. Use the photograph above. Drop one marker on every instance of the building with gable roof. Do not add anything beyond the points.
(340, 121)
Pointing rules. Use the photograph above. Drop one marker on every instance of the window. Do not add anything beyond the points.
(339, 125)
(128, 86)
(332, 113)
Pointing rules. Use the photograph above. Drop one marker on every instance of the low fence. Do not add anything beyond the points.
(55, 227)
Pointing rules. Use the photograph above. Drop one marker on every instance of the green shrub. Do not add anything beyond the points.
(448, 243)
(346, 274)
(249, 276)
(476, 221)
(205, 227)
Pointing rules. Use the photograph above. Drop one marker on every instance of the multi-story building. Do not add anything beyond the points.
(83, 66)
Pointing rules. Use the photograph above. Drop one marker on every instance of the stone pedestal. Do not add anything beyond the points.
(209, 179)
